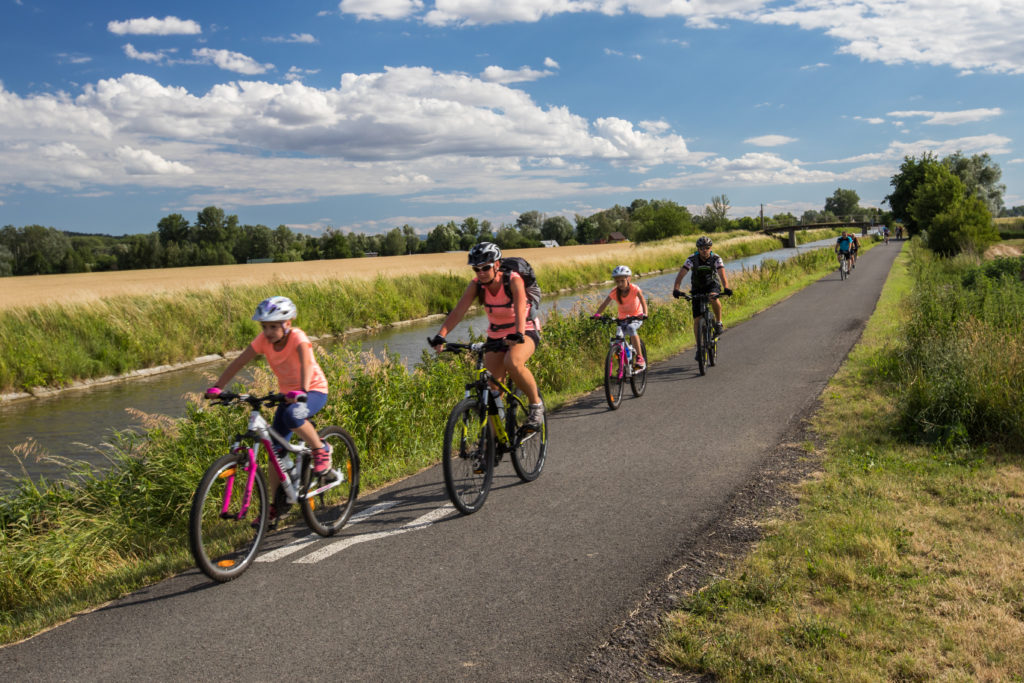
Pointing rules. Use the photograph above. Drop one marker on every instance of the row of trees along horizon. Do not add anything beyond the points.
(218, 239)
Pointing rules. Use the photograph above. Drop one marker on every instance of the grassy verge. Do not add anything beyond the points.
(55, 345)
(67, 546)
(902, 561)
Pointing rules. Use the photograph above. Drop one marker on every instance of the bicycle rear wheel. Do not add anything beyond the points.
(468, 456)
(530, 453)
(614, 373)
(326, 512)
(638, 380)
(222, 540)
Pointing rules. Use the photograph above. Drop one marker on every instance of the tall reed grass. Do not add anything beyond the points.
(961, 370)
(59, 344)
(68, 545)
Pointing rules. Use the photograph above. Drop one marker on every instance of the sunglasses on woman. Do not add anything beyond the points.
(480, 269)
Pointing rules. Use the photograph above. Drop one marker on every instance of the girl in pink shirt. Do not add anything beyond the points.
(631, 303)
(290, 356)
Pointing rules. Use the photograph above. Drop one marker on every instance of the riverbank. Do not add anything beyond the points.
(76, 346)
(68, 546)
(899, 559)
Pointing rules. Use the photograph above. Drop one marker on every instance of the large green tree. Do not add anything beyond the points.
(559, 229)
(660, 219)
(843, 202)
(980, 175)
(904, 184)
(955, 219)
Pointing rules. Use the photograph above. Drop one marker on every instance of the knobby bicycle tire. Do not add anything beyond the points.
(638, 380)
(326, 513)
(613, 376)
(222, 544)
(530, 451)
(712, 350)
(702, 346)
(468, 456)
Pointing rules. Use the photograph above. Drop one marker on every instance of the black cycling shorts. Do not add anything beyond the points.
(695, 305)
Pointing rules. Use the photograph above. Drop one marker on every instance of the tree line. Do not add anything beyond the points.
(216, 238)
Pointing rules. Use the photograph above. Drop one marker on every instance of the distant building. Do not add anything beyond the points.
(548, 243)
(612, 238)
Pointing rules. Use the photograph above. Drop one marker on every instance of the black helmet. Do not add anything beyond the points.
(703, 242)
(484, 253)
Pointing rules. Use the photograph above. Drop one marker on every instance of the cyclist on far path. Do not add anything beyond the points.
(854, 248)
(290, 355)
(843, 246)
(508, 317)
(631, 303)
(708, 277)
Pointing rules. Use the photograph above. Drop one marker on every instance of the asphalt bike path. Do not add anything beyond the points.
(523, 589)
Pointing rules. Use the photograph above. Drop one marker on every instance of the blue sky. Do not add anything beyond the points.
(369, 114)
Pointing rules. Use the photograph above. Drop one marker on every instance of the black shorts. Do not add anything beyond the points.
(534, 335)
(695, 306)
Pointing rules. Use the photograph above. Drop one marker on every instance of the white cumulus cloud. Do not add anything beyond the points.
(770, 140)
(380, 9)
(155, 27)
(496, 74)
(231, 61)
(950, 118)
(145, 162)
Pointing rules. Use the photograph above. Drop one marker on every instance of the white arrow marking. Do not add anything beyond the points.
(336, 547)
(300, 543)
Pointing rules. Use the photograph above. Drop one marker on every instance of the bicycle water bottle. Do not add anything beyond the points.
(499, 405)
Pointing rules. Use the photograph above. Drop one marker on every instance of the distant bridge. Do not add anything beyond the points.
(862, 222)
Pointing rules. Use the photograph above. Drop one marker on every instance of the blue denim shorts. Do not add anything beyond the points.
(289, 416)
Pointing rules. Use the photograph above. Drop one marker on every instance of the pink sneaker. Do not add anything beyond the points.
(640, 363)
(322, 459)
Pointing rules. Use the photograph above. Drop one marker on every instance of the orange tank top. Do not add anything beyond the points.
(630, 304)
(286, 364)
(501, 312)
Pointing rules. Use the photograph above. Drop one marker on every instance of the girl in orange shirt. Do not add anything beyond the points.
(290, 356)
(631, 303)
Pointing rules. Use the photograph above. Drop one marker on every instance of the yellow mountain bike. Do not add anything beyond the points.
(484, 426)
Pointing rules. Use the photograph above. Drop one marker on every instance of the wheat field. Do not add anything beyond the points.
(34, 290)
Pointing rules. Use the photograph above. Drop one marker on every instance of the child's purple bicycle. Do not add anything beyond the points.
(620, 363)
(231, 506)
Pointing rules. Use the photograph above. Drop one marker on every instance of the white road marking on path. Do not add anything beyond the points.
(336, 547)
(299, 544)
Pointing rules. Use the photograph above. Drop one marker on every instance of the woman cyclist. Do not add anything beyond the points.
(631, 303)
(290, 355)
(508, 317)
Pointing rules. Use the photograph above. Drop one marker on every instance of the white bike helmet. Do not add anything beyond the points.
(275, 309)
(621, 270)
(484, 253)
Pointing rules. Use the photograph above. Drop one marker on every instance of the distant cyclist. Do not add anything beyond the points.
(708, 277)
(843, 246)
(885, 234)
(508, 317)
(631, 303)
(854, 248)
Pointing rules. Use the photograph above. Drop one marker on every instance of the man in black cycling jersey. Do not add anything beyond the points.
(708, 277)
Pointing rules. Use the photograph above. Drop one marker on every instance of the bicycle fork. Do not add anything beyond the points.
(250, 469)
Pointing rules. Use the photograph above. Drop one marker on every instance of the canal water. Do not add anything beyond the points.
(74, 424)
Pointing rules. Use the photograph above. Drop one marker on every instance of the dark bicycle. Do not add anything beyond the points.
(620, 363)
(707, 340)
(482, 428)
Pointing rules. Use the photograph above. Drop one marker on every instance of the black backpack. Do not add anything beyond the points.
(517, 264)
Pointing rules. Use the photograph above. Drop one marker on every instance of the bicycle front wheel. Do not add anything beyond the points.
(224, 532)
(531, 451)
(842, 270)
(702, 346)
(468, 456)
(327, 511)
(638, 380)
(614, 373)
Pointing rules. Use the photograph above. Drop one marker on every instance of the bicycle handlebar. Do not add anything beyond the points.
(709, 295)
(621, 321)
(476, 347)
(226, 398)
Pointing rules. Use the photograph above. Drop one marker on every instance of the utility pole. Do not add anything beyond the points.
(762, 217)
